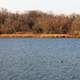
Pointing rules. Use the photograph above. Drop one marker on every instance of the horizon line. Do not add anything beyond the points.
(55, 12)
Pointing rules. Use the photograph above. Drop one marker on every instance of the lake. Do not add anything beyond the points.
(39, 59)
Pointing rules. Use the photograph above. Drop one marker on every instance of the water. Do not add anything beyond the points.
(39, 59)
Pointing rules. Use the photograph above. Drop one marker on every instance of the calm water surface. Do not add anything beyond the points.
(39, 59)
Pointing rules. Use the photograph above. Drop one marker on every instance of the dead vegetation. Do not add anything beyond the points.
(39, 36)
(37, 22)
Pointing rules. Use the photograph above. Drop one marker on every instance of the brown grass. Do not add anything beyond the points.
(26, 35)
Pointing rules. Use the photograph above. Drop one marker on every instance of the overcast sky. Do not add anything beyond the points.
(56, 6)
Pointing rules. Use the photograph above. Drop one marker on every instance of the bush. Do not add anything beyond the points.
(38, 22)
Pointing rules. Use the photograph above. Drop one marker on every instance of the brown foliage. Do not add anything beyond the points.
(38, 22)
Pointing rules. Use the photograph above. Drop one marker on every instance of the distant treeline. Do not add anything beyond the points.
(38, 22)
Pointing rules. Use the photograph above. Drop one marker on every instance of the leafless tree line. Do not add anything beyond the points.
(38, 22)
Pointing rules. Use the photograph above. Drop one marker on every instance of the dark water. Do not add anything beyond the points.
(39, 59)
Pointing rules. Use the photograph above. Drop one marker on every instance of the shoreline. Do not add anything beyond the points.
(31, 35)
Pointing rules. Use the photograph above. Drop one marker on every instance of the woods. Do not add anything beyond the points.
(38, 22)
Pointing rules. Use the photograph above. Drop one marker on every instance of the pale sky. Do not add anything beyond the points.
(55, 6)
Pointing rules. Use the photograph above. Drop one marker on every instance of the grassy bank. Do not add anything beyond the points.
(18, 35)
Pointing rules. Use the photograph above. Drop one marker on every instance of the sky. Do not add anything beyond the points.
(52, 6)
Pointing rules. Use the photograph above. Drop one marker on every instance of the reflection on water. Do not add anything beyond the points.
(39, 59)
